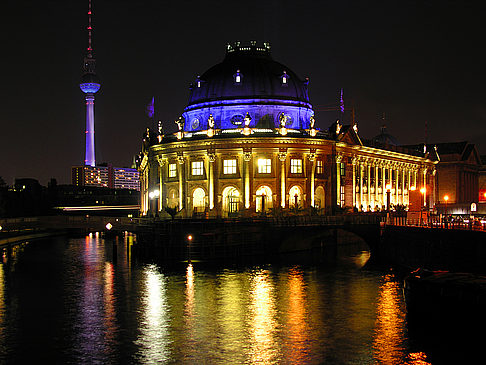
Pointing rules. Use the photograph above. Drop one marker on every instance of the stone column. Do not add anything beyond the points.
(375, 200)
(361, 168)
(354, 161)
(312, 160)
(247, 159)
(339, 159)
(368, 180)
(211, 159)
(180, 172)
(282, 156)
(162, 193)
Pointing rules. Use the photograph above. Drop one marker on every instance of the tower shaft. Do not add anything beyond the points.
(90, 159)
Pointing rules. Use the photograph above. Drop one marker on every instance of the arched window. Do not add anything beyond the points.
(198, 200)
(319, 198)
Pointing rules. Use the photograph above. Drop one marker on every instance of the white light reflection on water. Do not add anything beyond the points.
(90, 331)
(154, 340)
(263, 326)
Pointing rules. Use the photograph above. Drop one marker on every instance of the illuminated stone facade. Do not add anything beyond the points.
(249, 145)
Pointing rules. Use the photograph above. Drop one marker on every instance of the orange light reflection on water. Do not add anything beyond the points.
(389, 340)
(297, 325)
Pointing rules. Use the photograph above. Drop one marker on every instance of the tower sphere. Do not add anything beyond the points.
(90, 83)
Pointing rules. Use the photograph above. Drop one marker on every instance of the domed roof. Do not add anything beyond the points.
(385, 138)
(248, 72)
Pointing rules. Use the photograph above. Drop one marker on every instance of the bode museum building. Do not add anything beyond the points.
(248, 144)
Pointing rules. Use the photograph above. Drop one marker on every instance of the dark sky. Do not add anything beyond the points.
(415, 61)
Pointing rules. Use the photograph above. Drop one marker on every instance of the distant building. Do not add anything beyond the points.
(106, 176)
(457, 177)
(482, 180)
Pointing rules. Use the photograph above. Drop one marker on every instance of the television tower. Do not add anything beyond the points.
(90, 84)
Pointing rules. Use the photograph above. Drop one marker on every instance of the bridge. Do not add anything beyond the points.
(391, 241)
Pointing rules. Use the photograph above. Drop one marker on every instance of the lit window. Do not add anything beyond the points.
(238, 77)
(295, 166)
(264, 166)
(229, 167)
(172, 170)
(284, 78)
(319, 167)
(197, 168)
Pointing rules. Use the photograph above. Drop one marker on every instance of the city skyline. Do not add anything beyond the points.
(415, 63)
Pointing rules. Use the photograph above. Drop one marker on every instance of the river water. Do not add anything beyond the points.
(79, 301)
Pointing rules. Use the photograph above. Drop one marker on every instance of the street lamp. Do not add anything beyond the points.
(154, 194)
(446, 198)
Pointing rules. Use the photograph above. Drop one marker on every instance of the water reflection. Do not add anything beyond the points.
(297, 317)
(116, 312)
(93, 323)
(2, 309)
(388, 345)
(264, 347)
(153, 340)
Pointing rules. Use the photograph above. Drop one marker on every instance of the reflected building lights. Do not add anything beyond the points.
(154, 322)
(388, 344)
(297, 326)
(110, 309)
(264, 347)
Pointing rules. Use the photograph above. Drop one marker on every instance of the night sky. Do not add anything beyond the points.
(419, 62)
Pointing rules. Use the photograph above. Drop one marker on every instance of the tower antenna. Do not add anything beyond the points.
(90, 84)
(90, 28)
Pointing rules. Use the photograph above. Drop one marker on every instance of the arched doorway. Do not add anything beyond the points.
(198, 200)
(295, 197)
(319, 198)
(263, 199)
(231, 200)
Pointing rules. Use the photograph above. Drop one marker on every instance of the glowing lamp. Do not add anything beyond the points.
(109, 226)
(423, 190)
(446, 198)
(413, 188)
(189, 237)
(388, 187)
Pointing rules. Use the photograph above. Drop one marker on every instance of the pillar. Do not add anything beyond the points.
(282, 156)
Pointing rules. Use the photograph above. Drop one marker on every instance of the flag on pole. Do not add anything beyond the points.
(151, 109)
(341, 103)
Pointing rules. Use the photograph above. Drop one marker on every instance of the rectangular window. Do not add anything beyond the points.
(319, 167)
(342, 197)
(264, 166)
(229, 167)
(295, 166)
(197, 168)
(343, 169)
(172, 170)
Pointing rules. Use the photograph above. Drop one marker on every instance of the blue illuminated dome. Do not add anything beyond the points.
(248, 81)
(90, 83)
